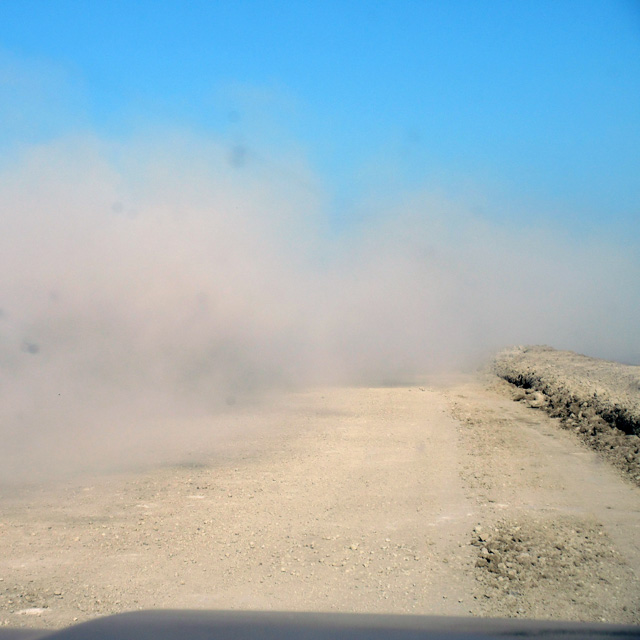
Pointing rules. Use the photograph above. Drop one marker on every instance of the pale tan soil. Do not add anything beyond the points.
(364, 500)
(597, 399)
(544, 493)
(611, 389)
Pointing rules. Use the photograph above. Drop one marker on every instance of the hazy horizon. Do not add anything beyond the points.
(168, 248)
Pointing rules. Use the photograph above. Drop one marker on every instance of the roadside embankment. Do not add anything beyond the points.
(599, 400)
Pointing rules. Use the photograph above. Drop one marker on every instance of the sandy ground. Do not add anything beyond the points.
(444, 498)
(597, 399)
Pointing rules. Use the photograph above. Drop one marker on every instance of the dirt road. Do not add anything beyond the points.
(442, 498)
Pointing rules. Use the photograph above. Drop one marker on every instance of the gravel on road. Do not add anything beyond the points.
(443, 497)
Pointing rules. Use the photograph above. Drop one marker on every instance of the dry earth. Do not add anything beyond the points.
(598, 400)
(445, 498)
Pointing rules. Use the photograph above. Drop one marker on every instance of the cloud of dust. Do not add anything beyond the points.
(150, 285)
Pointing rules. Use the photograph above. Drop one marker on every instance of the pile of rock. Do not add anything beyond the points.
(505, 557)
(598, 400)
(526, 568)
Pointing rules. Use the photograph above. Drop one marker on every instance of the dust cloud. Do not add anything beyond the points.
(148, 286)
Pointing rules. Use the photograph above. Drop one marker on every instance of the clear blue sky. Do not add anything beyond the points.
(534, 106)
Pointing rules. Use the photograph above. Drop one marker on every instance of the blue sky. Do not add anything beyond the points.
(524, 108)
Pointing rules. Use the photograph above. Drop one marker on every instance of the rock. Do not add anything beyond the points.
(537, 401)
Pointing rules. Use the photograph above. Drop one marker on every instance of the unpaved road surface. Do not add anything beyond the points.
(444, 498)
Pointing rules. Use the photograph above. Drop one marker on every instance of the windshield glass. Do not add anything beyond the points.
(263, 268)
